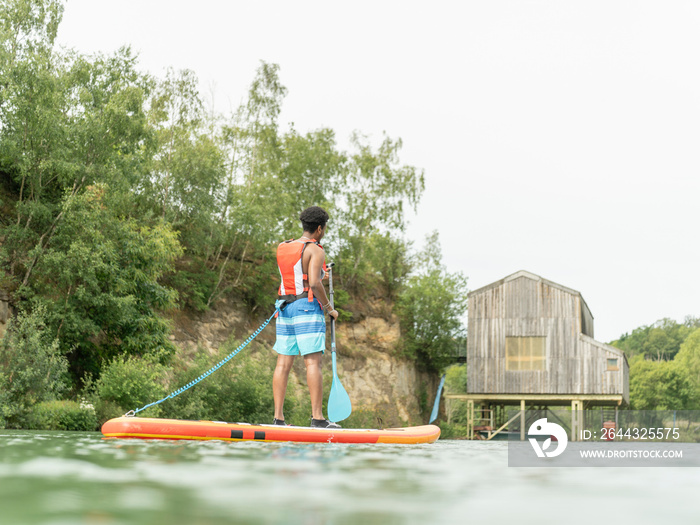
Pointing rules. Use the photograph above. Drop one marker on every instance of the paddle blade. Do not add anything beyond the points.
(339, 405)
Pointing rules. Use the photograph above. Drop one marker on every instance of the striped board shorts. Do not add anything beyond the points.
(301, 329)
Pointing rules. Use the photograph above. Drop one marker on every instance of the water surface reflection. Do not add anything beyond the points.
(79, 478)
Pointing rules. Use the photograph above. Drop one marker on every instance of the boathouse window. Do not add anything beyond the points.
(612, 364)
(525, 353)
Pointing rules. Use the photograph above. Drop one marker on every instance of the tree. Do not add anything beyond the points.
(121, 196)
(659, 341)
(456, 383)
(431, 308)
(98, 281)
(250, 218)
(660, 385)
(187, 165)
(68, 123)
(311, 174)
(374, 195)
(185, 168)
(73, 143)
(128, 383)
(688, 359)
(32, 368)
(28, 28)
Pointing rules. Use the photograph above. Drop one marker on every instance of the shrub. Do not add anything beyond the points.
(61, 415)
(235, 392)
(32, 369)
(376, 417)
(126, 384)
(453, 431)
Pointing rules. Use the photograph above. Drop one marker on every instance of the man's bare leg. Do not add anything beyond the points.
(315, 381)
(279, 382)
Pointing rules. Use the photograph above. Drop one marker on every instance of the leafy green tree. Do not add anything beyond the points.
(250, 216)
(688, 359)
(68, 123)
(185, 169)
(431, 308)
(312, 174)
(388, 265)
(375, 192)
(659, 341)
(456, 383)
(187, 165)
(98, 280)
(119, 191)
(73, 144)
(660, 385)
(27, 28)
(32, 369)
(456, 379)
(32, 117)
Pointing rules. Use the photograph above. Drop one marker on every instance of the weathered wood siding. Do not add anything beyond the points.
(586, 320)
(597, 379)
(524, 305)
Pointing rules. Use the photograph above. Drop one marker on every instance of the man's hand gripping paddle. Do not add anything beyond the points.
(339, 405)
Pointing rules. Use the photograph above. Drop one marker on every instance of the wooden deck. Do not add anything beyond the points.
(482, 419)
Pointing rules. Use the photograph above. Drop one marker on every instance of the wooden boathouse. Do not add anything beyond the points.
(531, 344)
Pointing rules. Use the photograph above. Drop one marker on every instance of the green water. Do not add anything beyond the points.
(71, 478)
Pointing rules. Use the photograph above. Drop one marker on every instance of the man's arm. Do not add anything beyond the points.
(316, 258)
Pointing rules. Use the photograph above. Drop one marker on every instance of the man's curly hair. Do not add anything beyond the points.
(313, 217)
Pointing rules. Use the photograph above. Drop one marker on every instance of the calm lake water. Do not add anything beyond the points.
(78, 478)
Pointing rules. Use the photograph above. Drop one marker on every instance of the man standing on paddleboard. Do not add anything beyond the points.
(301, 325)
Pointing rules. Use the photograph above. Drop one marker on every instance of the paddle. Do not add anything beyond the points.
(339, 405)
(436, 406)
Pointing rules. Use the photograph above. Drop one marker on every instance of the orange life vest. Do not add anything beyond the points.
(294, 279)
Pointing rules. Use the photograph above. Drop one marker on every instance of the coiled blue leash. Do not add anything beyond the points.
(213, 369)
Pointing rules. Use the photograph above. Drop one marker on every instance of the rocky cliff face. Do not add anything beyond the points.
(376, 379)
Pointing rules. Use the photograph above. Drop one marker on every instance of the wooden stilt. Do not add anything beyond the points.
(470, 419)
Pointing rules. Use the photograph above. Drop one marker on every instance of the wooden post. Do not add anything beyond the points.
(576, 419)
(470, 419)
(522, 420)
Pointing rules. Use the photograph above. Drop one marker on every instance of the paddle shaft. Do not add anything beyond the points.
(339, 404)
(330, 294)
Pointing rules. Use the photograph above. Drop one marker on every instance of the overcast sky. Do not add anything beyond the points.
(556, 137)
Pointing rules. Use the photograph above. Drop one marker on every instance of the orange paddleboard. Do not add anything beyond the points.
(155, 428)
